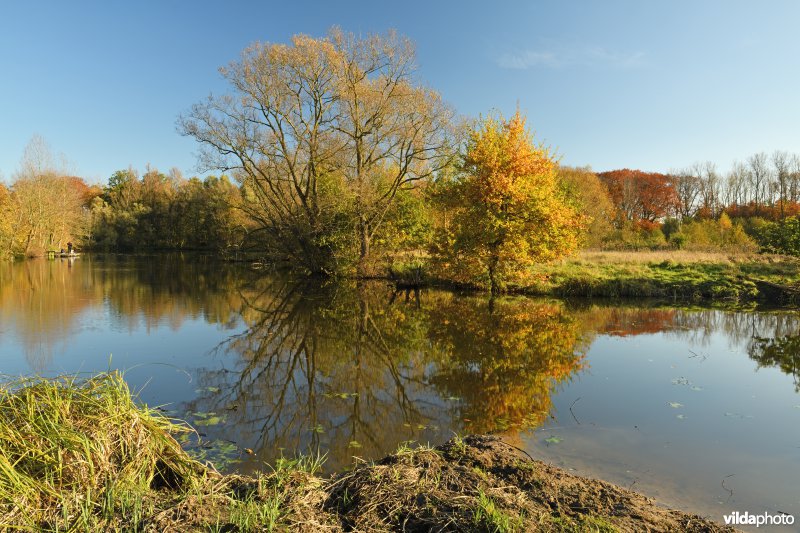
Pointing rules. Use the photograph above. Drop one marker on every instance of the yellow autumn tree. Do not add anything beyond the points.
(504, 211)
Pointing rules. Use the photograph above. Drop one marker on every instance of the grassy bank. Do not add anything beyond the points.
(82, 455)
(677, 275)
(674, 275)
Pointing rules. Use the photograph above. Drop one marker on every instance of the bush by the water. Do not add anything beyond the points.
(781, 237)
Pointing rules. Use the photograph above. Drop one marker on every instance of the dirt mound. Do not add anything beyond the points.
(482, 483)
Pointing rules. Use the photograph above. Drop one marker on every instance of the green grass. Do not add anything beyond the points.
(490, 517)
(582, 524)
(680, 276)
(674, 274)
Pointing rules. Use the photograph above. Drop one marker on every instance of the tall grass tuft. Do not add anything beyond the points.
(78, 453)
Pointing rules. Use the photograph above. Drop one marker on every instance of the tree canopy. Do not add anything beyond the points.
(323, 134)
(508, 211)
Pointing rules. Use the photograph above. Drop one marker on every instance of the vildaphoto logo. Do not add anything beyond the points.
(764, 519)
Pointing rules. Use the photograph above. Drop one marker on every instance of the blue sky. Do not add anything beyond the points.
(638, 84)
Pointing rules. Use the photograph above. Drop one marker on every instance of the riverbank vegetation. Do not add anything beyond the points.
(674, 275)
(84, 455)
(333, 157)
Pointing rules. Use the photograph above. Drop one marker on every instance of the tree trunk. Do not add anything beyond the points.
(492, 274)
(363, 228)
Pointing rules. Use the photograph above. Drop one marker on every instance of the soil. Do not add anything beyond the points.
(474, 483)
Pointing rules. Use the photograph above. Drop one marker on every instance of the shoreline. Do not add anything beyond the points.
(83, 454)
(671, 276)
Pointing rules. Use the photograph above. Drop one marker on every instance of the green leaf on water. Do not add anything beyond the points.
(680, 417)
(210, 421)
(354, 444)
(675, 405)
(226, 447)
(552, 439)
(318, 429)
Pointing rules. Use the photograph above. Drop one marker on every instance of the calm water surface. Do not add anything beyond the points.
(698, 408)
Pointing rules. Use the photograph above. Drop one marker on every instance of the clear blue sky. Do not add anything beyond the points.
(639, 84)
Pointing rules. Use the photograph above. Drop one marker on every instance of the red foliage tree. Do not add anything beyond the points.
(641, 196)
(85, 192)
(768, 212)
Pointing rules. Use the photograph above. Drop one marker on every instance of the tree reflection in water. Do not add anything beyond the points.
(346, 368)
(782, 352)
(356, 369)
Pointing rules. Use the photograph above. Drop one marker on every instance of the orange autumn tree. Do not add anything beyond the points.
(504, 210)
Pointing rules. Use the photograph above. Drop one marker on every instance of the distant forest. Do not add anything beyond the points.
(754, 207)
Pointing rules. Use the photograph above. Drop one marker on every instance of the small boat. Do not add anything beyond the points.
(54, 254)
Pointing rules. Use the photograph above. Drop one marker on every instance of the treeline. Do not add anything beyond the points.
(166, 212)
(45, 207)
(754, 206)
(46, 211)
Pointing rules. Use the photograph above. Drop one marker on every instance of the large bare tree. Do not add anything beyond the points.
(323, 134)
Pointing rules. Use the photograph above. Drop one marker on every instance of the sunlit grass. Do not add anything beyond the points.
(83, 455)
(65, 442)
(677, 256)
(685, 275)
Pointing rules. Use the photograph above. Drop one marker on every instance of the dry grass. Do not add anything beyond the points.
(676, 256)
(479, 483)
(83, 455)
(63, 442)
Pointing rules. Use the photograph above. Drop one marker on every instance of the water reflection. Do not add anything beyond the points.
(45, 303)
(356, 369)
(348, 369)
(782, 352)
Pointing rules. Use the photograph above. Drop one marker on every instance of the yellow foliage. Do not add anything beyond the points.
(508, 209)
